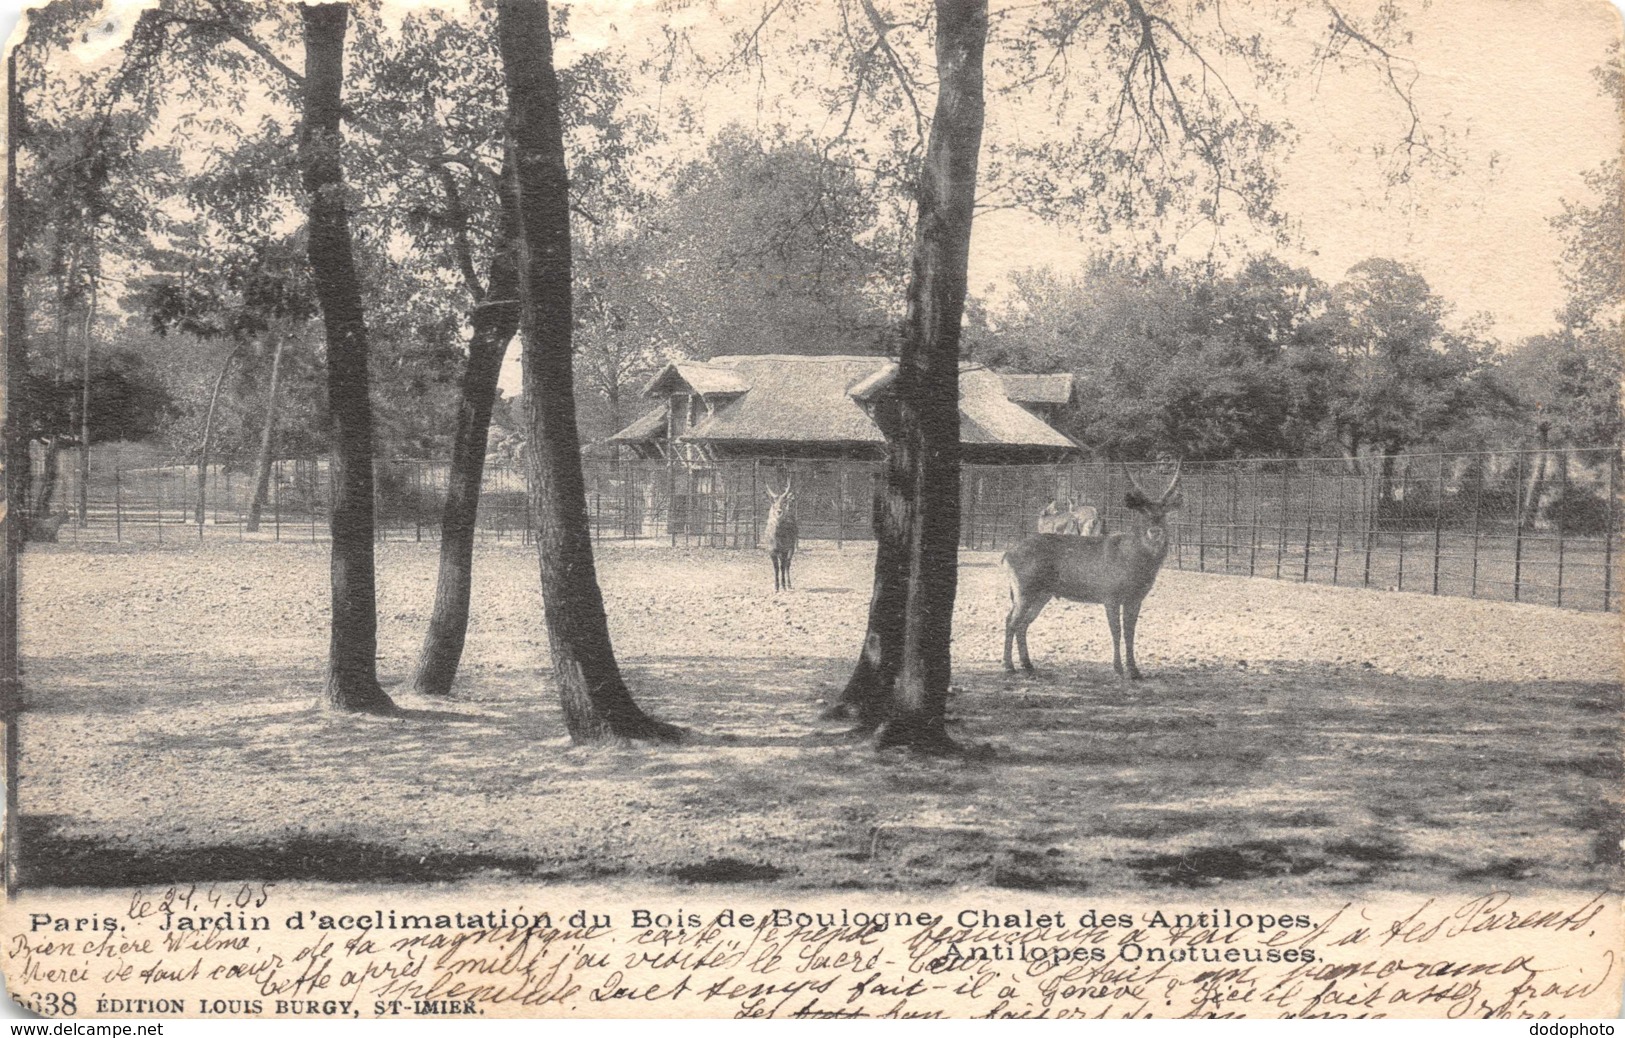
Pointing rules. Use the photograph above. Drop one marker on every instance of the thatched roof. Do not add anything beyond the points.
(793, 398)
(819, 399)
(986, 415)
(645, 428)
(686, 376)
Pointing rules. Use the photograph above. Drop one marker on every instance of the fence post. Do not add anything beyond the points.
(158, 507)
(1608, 533)
(1252, 528)
(1403, 519)
(202, 494)
(1438, 524)
(1517, 531)
(1560, 561)
(1230, 525)
(417, 502)
(671, 500)
(118, 499)
(276, 499)
(1201, 524)
(1308, 524)
(1368, 494)
(1337, 543)
(1478, 511)
(1280, 538)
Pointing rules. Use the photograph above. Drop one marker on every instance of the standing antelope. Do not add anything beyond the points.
(779, 535)
(1072, 517)
(1116, 570)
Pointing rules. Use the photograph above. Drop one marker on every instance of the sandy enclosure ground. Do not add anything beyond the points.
(1293, 738)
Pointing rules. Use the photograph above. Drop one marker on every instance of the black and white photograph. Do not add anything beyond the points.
(821, 508)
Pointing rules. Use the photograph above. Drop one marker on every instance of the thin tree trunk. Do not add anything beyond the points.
(910, 651)
(1529, 508)
(352, 677)
(596, 702)
(262, 462)
(495, 320)
(48, 480)
(208, 432)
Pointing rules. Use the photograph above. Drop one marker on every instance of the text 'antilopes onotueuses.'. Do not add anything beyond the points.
(1116, 570)
(779, 535)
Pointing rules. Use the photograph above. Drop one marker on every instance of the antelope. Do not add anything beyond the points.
(1072, 518)
(1116, 570)
(779, 535)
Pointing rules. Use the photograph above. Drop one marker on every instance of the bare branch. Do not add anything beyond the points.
(882, 27)
(1344, 32)
(749, 44)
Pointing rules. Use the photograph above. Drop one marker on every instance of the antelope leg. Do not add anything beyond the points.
(1028, 615)
(1114, 623)
(1131, 617)
(1009, 636)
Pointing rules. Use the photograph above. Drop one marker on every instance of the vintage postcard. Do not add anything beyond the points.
(605, 509)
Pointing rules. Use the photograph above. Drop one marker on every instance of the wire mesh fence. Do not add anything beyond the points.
(1533, 526)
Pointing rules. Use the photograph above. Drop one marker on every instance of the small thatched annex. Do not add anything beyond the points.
(777, 406)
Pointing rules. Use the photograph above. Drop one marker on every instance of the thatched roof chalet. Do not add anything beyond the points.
(777, 406)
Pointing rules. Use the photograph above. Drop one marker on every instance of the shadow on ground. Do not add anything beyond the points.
(1280, 777)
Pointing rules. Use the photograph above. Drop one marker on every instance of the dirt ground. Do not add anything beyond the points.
(1292, 738)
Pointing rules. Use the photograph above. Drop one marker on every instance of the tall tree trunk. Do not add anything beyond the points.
(352, 676)
(262, 462)
(597, 704)
(89, 321)
(1386, 502)
(495, 320)
(208, 432)
(868, 690)
(903, 672)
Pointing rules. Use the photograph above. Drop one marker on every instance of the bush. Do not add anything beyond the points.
(1579, 510)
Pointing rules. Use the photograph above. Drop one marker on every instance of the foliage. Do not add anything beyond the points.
(1401, 376)
(1581, 511)
(126, 401)
(1566, 386)
(1189, 361)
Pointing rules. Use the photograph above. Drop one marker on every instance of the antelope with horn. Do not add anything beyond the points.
(779, 535)
(1115, 570)
(1072, 517)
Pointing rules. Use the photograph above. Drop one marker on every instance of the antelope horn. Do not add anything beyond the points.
(1173, 484)
(1132, 481)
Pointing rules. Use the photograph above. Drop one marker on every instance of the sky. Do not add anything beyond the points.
(1515, 76)
(1512, 78)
